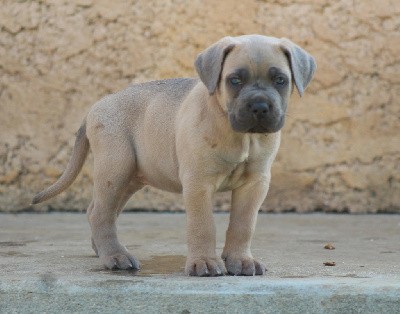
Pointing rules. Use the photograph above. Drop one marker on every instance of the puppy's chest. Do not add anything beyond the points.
(233, 177)
(237, 164)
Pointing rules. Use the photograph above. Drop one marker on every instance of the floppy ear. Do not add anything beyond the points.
(302, 64)
(210, 62)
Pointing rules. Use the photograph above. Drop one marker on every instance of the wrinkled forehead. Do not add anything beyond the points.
(257, 57)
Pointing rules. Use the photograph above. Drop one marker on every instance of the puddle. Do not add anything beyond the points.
(163, 265)
(156, 265)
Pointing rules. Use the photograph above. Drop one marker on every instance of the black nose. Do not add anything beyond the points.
(259, 109)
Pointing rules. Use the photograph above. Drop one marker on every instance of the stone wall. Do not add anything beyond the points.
(341, 144)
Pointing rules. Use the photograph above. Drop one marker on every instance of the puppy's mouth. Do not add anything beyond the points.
(249, 125)
(258, 129)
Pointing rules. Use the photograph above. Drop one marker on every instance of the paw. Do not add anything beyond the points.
(120, 261)
(204, 266)
(244, 266)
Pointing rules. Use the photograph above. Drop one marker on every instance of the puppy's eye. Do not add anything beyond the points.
(235, 81)
(280, 80)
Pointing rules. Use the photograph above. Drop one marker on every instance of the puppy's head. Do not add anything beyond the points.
(253, 76)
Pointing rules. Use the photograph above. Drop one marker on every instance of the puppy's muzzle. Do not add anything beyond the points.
(257, 115)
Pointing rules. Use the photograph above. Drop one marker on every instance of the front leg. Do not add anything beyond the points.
(202, 259)
(246, 201)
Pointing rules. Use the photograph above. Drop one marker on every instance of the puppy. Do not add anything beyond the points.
(195, 136)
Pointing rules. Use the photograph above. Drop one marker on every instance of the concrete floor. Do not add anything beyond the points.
(47, 265)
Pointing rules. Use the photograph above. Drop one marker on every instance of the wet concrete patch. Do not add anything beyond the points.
(48, 282)
(163, 265)
(13, 254)
(155, 265)
(11, 243)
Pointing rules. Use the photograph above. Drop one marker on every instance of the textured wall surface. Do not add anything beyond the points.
(341, 144)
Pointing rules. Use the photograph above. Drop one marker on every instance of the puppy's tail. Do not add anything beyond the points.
(74, 166)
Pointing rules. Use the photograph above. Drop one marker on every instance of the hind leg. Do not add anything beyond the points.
(104, 232)
(119, 208)
(114, 184)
